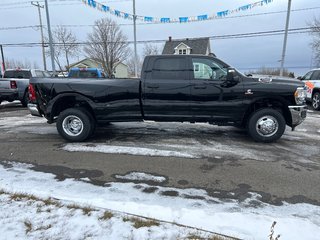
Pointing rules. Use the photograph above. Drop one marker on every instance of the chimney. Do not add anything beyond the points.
(170, 39)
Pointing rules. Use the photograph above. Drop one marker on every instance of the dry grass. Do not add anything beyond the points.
(106, 216)
(28, 226)
(139, 223)
(22, 196)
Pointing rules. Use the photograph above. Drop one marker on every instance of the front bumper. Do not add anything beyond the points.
(298, 114)
(34, 109)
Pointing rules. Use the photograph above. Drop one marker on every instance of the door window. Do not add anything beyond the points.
(169, 68)
(307, 76)
(316, 75)
(204, 68)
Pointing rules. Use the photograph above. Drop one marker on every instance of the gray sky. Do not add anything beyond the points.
(242, 53)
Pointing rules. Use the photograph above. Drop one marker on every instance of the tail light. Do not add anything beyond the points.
(32, 93)
(13, 84)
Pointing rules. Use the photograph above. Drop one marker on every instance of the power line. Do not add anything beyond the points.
(303, 30)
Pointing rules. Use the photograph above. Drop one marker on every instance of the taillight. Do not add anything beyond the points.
(13, 84)
(32, 93)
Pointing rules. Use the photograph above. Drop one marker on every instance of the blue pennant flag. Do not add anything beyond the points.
(165, 20)
(105, 8)
(148, 19)
(92, 3)
(223, 13)
(126, 15)
(183, 19)
(117, 13)
(202, 17)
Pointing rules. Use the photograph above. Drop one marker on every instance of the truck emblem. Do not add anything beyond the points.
(248, 92)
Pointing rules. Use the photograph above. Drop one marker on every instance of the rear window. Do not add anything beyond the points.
(17, 74)
(83, 74)
(169, 68)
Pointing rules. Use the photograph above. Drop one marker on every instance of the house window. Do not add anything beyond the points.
(183, 51)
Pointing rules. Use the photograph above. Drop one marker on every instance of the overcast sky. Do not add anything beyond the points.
(242, 53)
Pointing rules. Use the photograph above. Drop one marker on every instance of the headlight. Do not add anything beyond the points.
(300, 95)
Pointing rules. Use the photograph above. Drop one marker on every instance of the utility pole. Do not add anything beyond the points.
(50, 39)
(2, 57)
(285, 39)
(42, 37)
(135, 40)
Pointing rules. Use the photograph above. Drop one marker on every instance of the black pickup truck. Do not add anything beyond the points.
(172, 88)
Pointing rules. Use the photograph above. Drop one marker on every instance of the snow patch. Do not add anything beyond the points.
(139, 176)
(81, 147)
(249, 219)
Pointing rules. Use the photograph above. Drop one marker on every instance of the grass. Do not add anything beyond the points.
(139, 223)
(106, 216)
(28, 226)
(196, 237)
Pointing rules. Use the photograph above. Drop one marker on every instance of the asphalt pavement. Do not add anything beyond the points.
(224, 161)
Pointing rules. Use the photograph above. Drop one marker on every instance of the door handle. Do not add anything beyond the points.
(152, 86)
(200, 87)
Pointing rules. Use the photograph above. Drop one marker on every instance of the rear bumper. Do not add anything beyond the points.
(9, 95)
(34, 110)
(298, 114)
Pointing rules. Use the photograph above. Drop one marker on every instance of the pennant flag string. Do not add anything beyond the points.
(149, 19)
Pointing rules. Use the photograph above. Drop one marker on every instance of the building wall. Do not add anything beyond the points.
(121, 71)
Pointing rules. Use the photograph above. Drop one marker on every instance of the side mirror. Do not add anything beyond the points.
(230, 74)
(300, 78)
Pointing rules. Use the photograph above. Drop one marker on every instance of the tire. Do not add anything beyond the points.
(316, 101)
(92, 120)
(266, 125)
(25, 99)
(74, 124)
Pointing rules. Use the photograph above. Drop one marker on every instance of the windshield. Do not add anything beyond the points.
(17, 74)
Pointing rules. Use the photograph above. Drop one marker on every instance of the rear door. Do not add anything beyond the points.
(166, 89)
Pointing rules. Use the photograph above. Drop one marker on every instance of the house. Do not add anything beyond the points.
(187, 46)
(121, 69)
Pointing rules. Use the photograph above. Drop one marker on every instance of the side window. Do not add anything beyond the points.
(307, 76)
(169, 68)
(316, 75)
(204, 68)
(39, 73)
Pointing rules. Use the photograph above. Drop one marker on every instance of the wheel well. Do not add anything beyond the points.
(66, 102)
(315, 90)
(276, 104)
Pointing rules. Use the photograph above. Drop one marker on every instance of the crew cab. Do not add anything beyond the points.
(172, 88)
(312, 81)
(15, 82)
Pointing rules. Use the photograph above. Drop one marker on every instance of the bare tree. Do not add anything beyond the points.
(107, 44)
(272, 72)
(26, 64)
(65, 47)
(150, 49)
(315, 25)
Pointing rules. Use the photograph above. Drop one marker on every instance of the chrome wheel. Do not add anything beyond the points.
(316, 101)
(72, 125)
(267, 126)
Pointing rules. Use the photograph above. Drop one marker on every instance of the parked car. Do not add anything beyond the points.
(15, 82)
(312, 81)
(86, 73)
(172, 88)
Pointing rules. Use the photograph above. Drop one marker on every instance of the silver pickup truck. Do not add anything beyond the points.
(15, 82)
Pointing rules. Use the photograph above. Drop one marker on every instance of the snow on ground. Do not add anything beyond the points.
(249, 219)
(138, 176)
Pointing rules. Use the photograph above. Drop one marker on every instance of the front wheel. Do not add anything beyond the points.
(74, 124)
(316, 101)
(266, 125)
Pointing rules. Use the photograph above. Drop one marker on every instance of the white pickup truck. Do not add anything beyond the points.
(312, 81)
(15, 82)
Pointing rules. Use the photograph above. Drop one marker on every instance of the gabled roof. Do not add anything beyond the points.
(198, 45)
